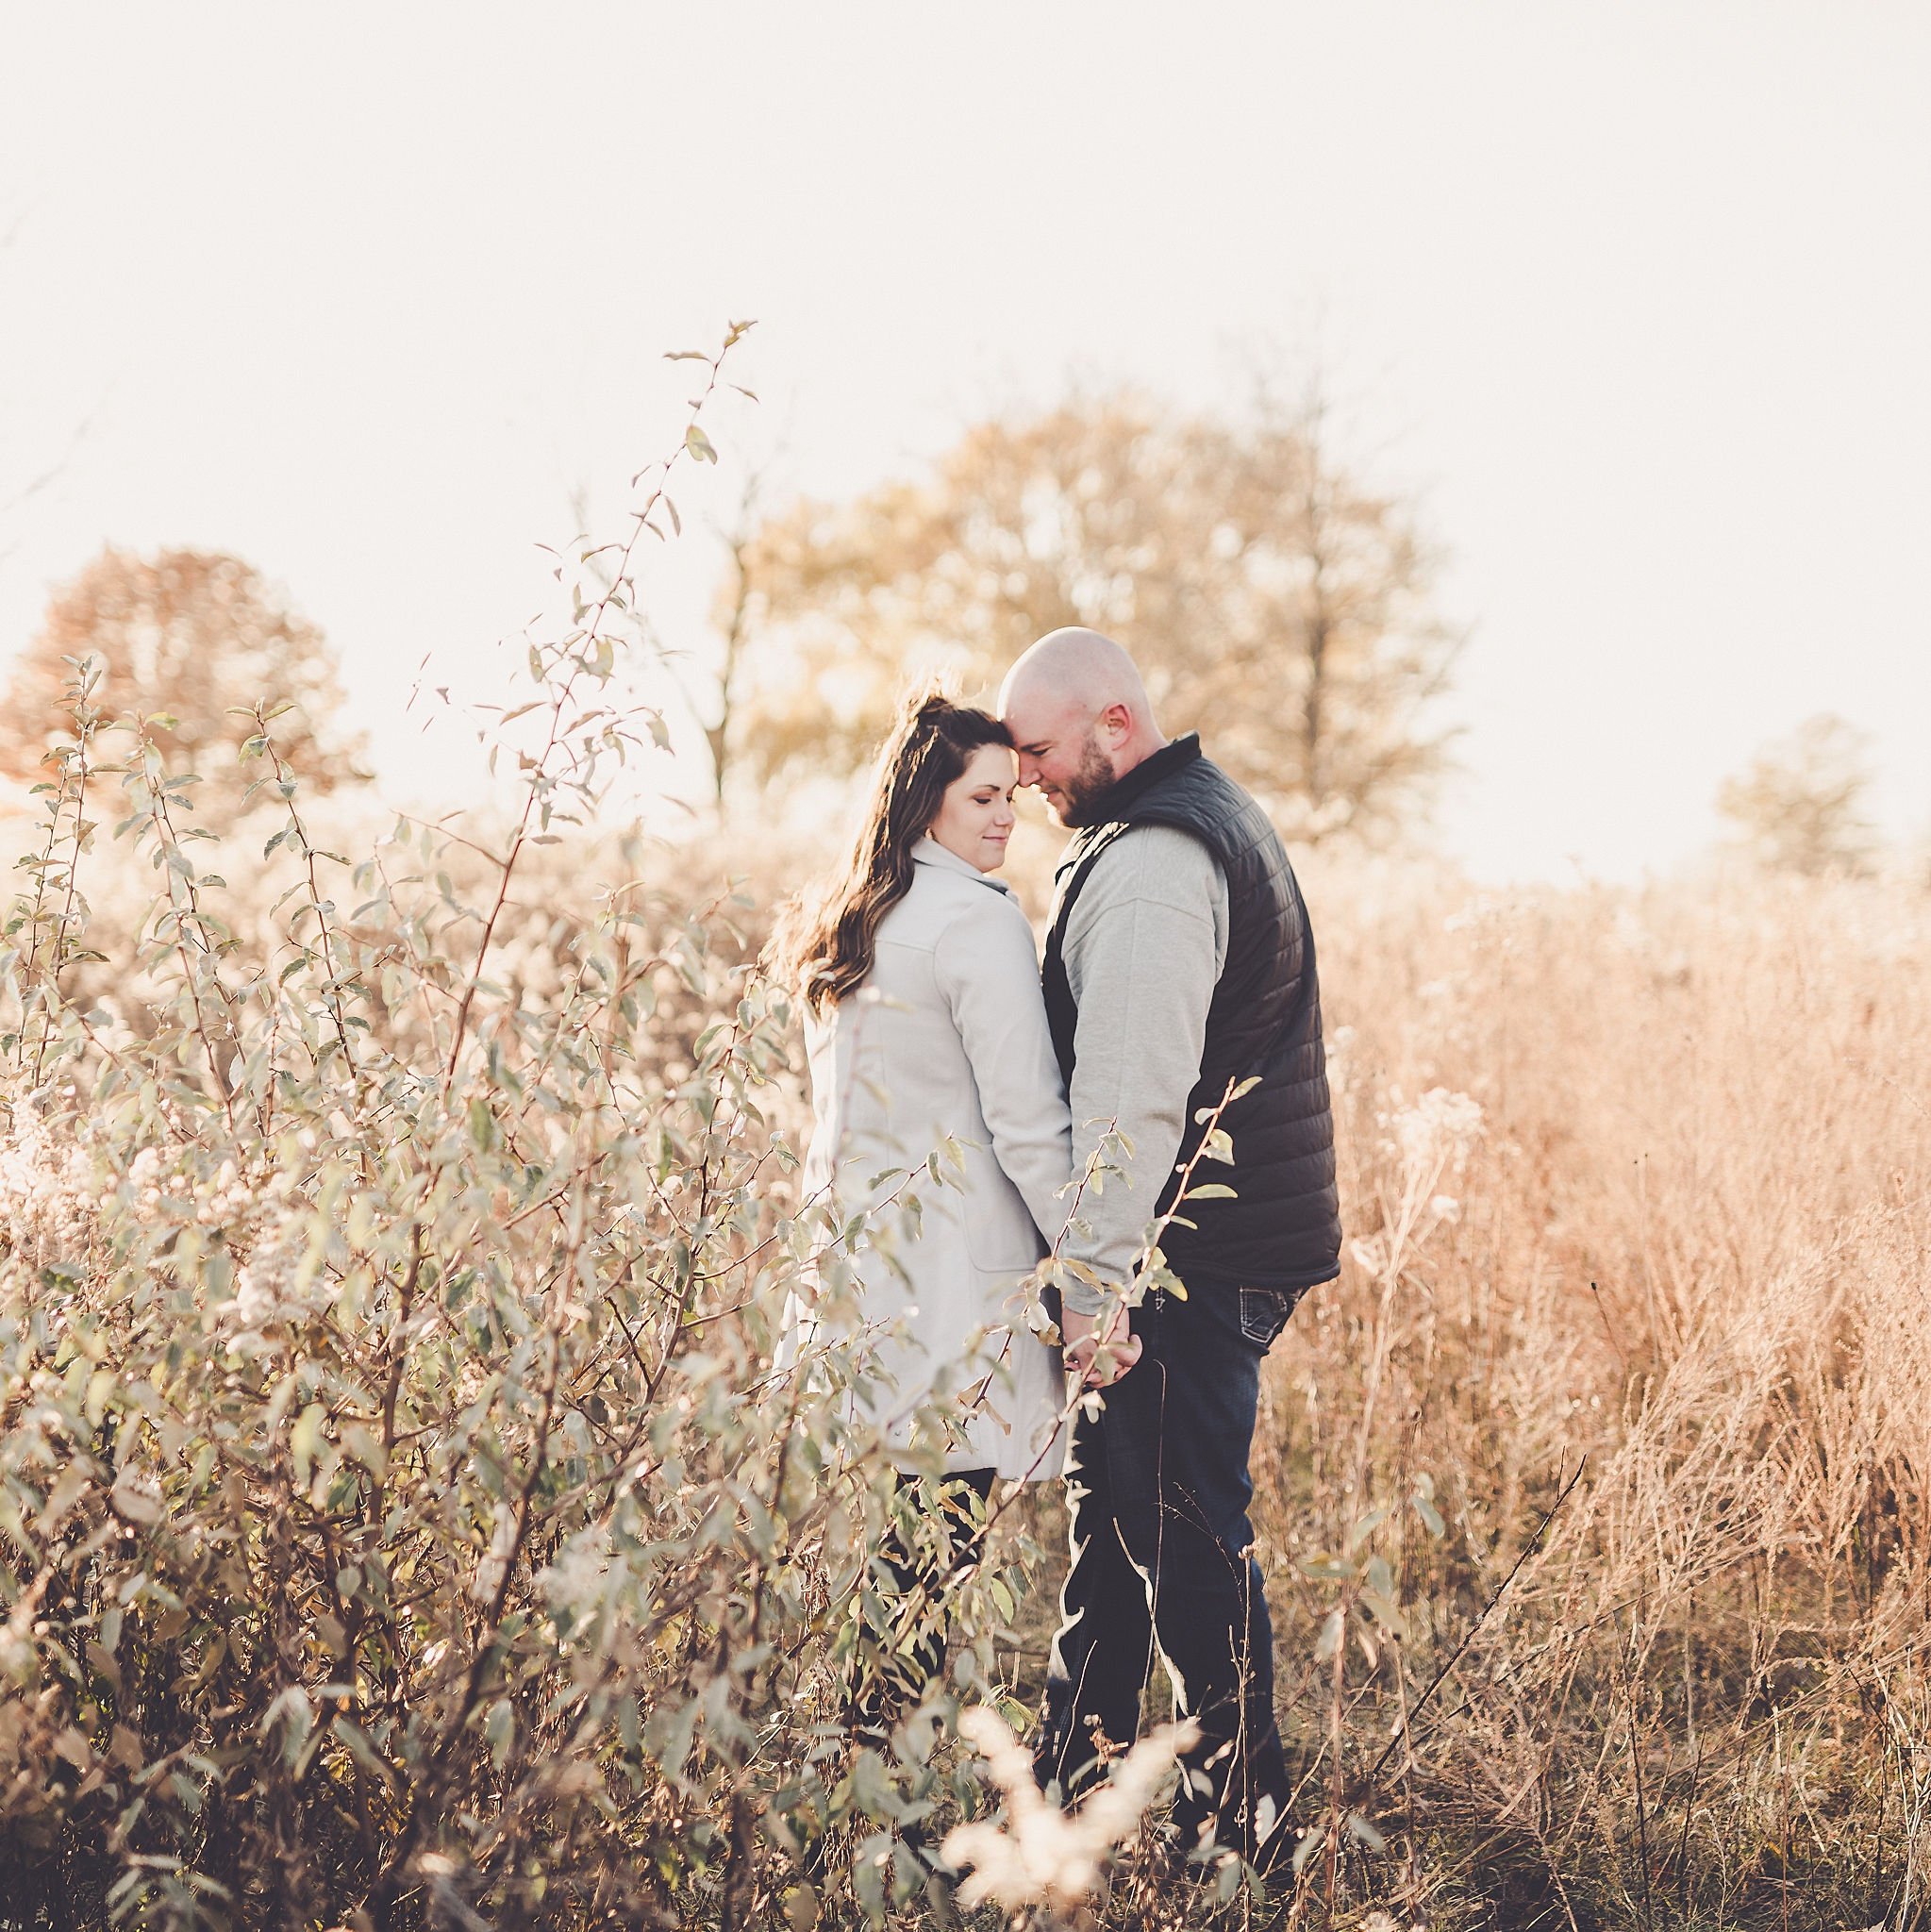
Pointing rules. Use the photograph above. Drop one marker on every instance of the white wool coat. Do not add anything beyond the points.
(948, 1036)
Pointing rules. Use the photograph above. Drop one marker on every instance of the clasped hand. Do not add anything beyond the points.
(1097, 1356)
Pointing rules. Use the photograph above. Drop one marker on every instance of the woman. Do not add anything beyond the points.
(925, 1027)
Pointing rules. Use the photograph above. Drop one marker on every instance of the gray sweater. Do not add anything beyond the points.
(1144, 949)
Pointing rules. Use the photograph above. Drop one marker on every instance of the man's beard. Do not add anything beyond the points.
(1094, 775)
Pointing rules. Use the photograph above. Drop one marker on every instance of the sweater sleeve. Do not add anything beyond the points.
(1143, 951)
(988, 976)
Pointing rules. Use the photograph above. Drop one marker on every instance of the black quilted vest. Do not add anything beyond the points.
(1283, 1228)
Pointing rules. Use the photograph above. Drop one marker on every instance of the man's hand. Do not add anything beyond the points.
(1099, 1358)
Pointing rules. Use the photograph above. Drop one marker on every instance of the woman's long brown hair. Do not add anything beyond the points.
(823, 942)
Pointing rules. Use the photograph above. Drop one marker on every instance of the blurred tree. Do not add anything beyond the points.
(731, 618)
(186, 634)
(1274, 601)
(1799, 804)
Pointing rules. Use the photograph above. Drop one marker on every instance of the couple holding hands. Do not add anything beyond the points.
(1178, 963)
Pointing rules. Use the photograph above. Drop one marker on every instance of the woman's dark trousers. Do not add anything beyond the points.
(894, 1679)
(1158, 1488)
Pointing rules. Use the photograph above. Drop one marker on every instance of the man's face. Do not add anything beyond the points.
(1059, 752)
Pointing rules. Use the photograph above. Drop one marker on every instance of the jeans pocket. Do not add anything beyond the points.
(1264, 1313)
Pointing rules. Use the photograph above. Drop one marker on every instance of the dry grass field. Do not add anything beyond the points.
(1595, 1496)
(1685, 1251)
(1637, 1190)
(1681, 1249)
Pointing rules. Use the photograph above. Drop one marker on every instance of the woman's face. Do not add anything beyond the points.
(975, 817)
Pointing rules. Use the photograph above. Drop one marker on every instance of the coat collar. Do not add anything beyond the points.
(928, 851)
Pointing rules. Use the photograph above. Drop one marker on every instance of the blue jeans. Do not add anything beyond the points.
(1157, 1489)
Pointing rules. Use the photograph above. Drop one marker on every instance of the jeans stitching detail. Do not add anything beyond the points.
(1259, 1324)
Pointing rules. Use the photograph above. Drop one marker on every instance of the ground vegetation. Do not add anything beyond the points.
(409, 1515)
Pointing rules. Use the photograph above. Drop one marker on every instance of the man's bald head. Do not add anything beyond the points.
(1076, 666)
(1079, 713)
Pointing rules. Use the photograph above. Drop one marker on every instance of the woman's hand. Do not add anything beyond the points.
(1099, 1356)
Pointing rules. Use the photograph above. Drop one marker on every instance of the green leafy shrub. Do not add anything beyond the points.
(401, 1520)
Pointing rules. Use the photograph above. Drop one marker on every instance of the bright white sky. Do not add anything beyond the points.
(1639, 298)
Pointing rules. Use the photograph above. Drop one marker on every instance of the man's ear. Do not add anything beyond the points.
(1116, 720)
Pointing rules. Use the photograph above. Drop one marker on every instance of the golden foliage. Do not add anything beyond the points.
(188, 634)
(1799, 806)
(1266, 593)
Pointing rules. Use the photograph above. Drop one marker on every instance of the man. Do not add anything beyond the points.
(1178, 960)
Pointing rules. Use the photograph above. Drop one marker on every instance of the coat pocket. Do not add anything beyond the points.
(1264, 1313)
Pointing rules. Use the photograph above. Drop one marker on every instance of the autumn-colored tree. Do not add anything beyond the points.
(1275, 603)
(192, 637)
(1800, 803)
